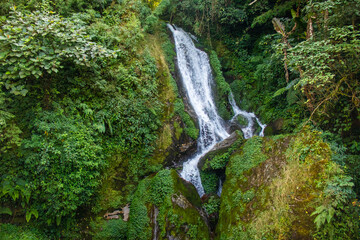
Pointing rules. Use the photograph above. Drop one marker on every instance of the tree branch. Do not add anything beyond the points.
(252, 2)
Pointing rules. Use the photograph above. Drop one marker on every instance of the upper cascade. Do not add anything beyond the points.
(197, 80)
(250, 117)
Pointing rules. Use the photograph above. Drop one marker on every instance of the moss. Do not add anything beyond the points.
(107, 230)
(210, 181)
(177, 203)
(217, 160)
(250, 157)
(222, 88)
(163, 142)
(271, 187)
(190, 127)
(238, 196)
(187, 189)
(178, 130)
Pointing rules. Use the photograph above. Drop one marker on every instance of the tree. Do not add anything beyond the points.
(328, 59)
(38, 44)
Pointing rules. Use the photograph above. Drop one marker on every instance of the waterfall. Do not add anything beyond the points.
(196, 77)
(249, 129)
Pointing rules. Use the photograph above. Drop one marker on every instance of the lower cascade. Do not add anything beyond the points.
(196, 77)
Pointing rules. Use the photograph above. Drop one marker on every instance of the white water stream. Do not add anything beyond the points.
(197, 80)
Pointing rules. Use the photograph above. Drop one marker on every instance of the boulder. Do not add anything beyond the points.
(165, 206)
(218, 149)
(270, 188)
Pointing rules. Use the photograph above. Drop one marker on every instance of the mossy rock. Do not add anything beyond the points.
(270, 189)
(178, 134)
(212, 165)
(218, 157)
(165, 206)
(212, 206)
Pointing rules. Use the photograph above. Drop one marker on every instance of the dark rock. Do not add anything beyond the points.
(275, 127)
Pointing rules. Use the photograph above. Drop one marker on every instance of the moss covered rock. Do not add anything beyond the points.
(271, 188)
(165, 206)
(213, 159)
(212, 165)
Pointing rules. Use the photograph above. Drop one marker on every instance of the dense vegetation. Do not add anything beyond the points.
(90, 114)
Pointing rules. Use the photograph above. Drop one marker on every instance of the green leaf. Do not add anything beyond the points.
(30, 213)
(23, 92)
(3, 54)
(5, 210)
(58, 220)
(278, 26)
(330, 214)
(35, 213)
(28, 216)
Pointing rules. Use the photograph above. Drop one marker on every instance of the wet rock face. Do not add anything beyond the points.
(166, 207)
(180, 149)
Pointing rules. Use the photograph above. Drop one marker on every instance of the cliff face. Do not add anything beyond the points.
(271, 188)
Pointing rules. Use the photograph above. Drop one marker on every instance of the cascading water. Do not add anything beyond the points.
(249, 129)
(196, 77)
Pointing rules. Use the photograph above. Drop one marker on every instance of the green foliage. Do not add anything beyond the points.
(66, 186)
(161, 186)
(38, 43)
(75, 119)
(190, 128)
(169, 51)
(213, 205)
(219, 159)
(277, 11)
(327, 63)
(353, 169)
(317, 57)
(113, 229)
(166, 193)
(250, 157)
(222, 88)
(13, 232)
(210, 181)
(248, 196)
(68, 122)
(18, 191)
(138, 219)
(333, 217)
